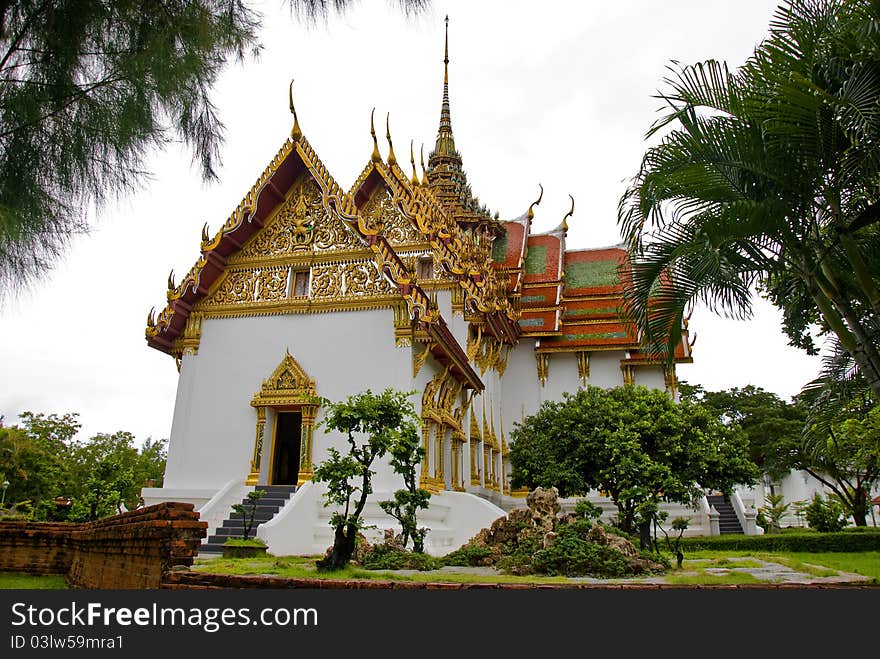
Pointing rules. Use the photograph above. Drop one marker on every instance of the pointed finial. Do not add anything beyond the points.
(295, 133)
(376, 157)
(171, 280)
(446, 53)
(424, 174)
(568, 215)
(151, 318)
(205, 236)
(536, 202)
(412, 160)
(391, 158)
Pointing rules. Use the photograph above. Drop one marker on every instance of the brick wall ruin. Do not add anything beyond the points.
(134, 550)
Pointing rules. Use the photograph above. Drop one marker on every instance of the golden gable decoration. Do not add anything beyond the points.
(293, 226)
(398, 229)
(288, 385)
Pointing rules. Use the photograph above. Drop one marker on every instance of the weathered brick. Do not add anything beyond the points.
(134, 550)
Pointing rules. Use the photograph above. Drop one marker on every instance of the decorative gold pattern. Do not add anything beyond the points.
(629, 376)
(670, 380)
(543, 361)
(583, 363)
(254, 475)
(188, 343)
(291, 229)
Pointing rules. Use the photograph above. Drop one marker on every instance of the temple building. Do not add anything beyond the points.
(406, 281)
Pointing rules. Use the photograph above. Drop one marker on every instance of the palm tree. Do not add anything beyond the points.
(768, 180)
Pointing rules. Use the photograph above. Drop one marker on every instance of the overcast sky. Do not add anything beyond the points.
(552, 93)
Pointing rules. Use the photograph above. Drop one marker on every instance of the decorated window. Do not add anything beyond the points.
(301, 283)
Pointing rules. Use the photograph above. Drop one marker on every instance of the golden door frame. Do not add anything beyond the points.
(289, 388)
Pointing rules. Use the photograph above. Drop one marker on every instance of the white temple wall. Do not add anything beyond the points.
(651, 377)
(562, 376)
(212, 436)
(522, 393)
(605, 368)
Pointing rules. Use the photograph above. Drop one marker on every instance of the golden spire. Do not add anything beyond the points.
(376, 157)
(391, 158)
(567, 215)
(536, 202)
(424, 174)
(446, 54)
(445, 142)
(295, 133)
(412, 159)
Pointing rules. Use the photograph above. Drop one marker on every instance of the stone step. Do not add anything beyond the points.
(267, 507)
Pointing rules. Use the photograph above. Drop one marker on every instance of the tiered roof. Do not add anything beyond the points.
(514, 283)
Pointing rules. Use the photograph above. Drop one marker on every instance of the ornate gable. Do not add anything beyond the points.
(399, 230)
(288, 385)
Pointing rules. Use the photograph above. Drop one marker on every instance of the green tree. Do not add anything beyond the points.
(845, 457)
(35, 456)
(248, 510)
(633, 443)
(767, 180)
(406, 453)
(102, 493)
(773, 427)
(89, 88)
(102, 475)
(118, 451)
(371, 423)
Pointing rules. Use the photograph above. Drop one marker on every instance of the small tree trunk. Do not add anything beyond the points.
(340, 554)
(645, 535)
(860, 508)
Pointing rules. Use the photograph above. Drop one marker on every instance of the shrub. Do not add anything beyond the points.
(468, 555)
(383, 557)
(571, 554)
(825, 515)
(810, 541)
(588, 510)
(21, 511)
(244, 542)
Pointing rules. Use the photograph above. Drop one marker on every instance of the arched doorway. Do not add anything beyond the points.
(291, 395)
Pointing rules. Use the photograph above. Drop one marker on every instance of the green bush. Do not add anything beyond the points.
(808, 541)
(825, 515)
(382, 557)
(468, 555)
(244, 542)
(571, 554)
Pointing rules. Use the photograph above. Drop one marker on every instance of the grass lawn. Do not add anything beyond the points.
(21, 581)
(700, 567)
(825, 564)
(703, 567)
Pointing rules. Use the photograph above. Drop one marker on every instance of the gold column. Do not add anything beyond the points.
(487, 465)
(426, 444)
(307, 432)
(254, 475)
(440, 453)
(475, 462)
(456, 464)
